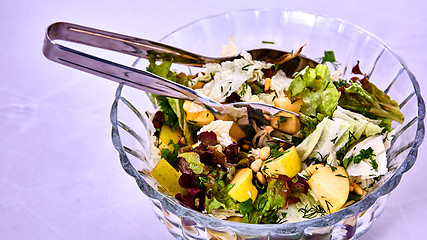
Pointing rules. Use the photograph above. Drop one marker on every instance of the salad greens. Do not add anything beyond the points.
(243, 171)
(316, 89)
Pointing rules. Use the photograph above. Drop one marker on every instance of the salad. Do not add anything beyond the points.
(298, 167)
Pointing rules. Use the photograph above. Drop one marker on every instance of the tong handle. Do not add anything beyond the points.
(129, 76)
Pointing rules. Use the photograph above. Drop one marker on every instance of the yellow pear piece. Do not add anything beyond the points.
(313, 168)
(235, 131)
(201, 118)
(168, 138)
(286, 122)
(287, 104)
(168, 177)
(243, 188)
(331, 187)
(288, 164)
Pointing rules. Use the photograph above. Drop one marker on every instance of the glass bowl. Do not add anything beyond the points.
(287, 30)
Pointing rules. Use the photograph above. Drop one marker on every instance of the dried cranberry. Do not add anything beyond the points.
(158, 120)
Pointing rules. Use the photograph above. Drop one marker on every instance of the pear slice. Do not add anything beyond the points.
(169, 137)
(168, 177)
(331, 187)
(243, 188)
(288, 164)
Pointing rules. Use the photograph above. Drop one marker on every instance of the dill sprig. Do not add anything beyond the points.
(312, 212)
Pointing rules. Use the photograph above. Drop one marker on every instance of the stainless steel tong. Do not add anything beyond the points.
(138, 47)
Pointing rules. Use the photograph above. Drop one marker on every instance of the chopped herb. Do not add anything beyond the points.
(312, 212)
(374, 164)
(274, 151)
(246, 67)
(340, 175)
(324, 158)
(312, 160)
(244, 89)
(363, 154)
(376, 179)
(341, 153)
(353, 196)
(282, 119)
(267, 42)
(328, 204)
(327, 85)
(246, 206)
(340, 83)
(329, 57)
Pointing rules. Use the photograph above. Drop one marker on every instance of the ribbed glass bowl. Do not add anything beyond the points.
(288, 30)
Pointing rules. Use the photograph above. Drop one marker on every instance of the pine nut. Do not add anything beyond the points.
(269, 129)
(267, 84)
(264, 153)
(256, 165)
(260, 177)
(357, 189)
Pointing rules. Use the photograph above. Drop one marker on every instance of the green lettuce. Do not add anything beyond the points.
(194, 161)
(315, 87)
(266, 206)
(370, 101)
(172, 108)
(217, 194)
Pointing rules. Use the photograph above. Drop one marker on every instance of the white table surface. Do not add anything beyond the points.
(60, 177)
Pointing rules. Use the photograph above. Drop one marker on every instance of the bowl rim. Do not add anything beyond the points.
(323, 221)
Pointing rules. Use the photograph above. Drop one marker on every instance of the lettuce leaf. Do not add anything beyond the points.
(217, 195)
(266, 206)
(316, 89)
(368, 100)
(172, 108)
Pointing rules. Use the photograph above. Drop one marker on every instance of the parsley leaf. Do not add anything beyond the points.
(170, 117)
(329, 57)
(246, 206)
(363, 154)
(171, 156)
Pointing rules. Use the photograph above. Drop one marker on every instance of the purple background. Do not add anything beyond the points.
(60, 177)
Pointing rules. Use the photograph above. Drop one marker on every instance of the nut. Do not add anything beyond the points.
(348, 203)
(357, 189)
(256, 165)
(269, 129)
(264, 153)
(267, 117)
(182, 141)
(246, 146)
(260, 177)
(267, 84)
